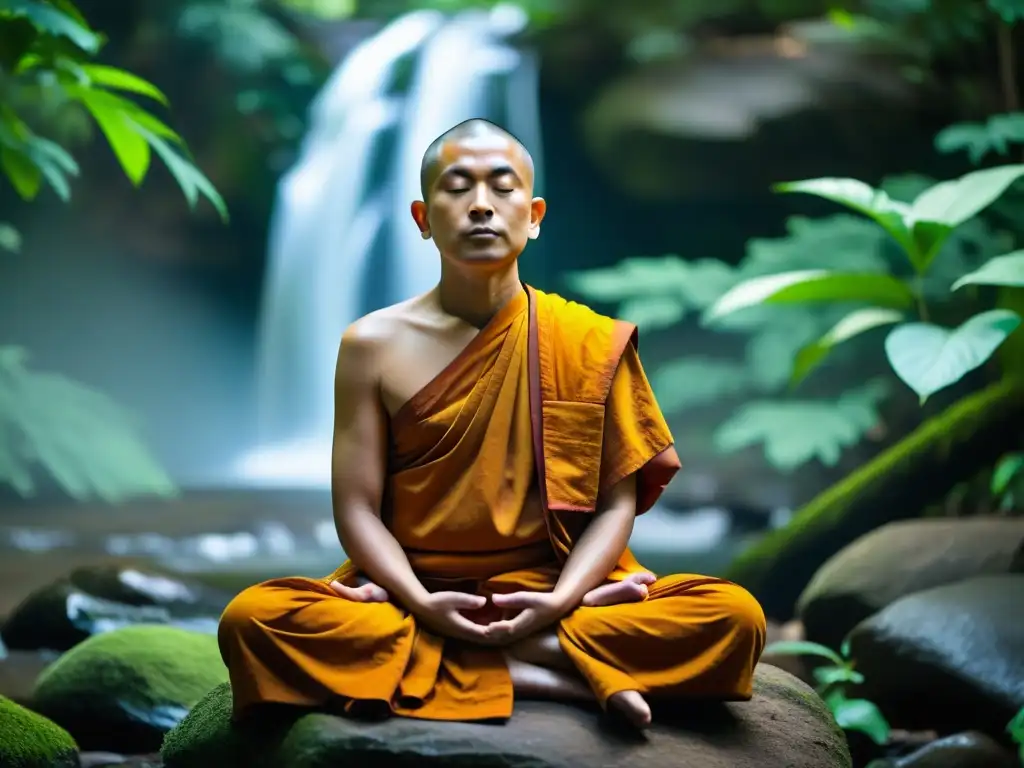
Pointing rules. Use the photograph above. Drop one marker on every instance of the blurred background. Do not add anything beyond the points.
(200, 195)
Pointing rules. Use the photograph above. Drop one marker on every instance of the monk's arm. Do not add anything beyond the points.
(600, 546)
(358, 471)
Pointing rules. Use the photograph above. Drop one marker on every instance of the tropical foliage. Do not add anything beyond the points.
(834, 676)
(48, 73)
(929, 270)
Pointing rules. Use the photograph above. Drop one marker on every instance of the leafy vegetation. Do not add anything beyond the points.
(929, 266)
(834, 678)
(926, 356)
(48, 69)
(1016, 730)
(49, 73)
(1007, 483)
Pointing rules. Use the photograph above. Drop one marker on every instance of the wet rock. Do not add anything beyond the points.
(962, 750)
(111, 760)
(899, 559)
(947, 658)
(121, 691)
(785, 724)
(93, 600)
(28, 740)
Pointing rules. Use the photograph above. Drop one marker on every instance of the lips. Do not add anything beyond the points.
(481, 232)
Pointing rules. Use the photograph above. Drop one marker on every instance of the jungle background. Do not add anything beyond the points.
(812, 210)
(664, 127)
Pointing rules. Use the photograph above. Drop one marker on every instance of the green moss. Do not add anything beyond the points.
(28, 740)
(777, 684)
(149, 665)
(207, 737)
(869, 494)
(125, 689)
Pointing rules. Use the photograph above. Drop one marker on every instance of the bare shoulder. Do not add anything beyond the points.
(374, 334)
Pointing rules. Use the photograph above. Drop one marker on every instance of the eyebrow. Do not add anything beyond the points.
(494, 173)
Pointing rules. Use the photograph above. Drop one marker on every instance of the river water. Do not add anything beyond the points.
(236, 538)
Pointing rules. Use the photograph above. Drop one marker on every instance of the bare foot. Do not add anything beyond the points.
(632, 589)
(632, 706)
(530, 681)
(366, 592)
(543, 650)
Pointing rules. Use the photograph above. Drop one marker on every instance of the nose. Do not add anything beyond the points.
(480, 209)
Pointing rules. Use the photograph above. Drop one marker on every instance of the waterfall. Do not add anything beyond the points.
(342, 242)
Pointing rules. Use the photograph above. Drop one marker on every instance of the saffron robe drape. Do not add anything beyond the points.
(494, 469)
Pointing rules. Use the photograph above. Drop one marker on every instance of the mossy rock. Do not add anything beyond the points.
(123, 690)
(29, 740)
(786, 725)
(96, 599)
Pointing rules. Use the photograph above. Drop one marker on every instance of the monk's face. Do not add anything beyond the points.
(481, 209)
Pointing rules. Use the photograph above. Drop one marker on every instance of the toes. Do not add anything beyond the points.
(373, 593)
(632, 706)
(644, 577)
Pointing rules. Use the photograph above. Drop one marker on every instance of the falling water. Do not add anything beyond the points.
(342, 242)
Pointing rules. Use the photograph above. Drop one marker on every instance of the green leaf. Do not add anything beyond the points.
(929, 358)
(863, 716)
(796, 432)
(79, 436)
(813, 285)
(947, 205)
(979, 139)
(129, 146)
(1010, 11)
(10, 238)
(691, 382)
(24, 175)
(55, 164)
(857, 322)
(863, 198)
(837, 674)
(772, 349)
(653, 313)
(804, 648)
(112, 77)
(1008, 468)
(631, 279)
(1016, 728)
(189, 178)
(1001, 270)
(53, 21)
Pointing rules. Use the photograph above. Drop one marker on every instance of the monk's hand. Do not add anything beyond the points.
(442, 612)
(535, 611)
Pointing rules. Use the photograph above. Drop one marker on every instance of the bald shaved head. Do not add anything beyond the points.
(475, 128)
(478, 204)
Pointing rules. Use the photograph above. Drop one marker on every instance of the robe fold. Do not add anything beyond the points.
(494, 469)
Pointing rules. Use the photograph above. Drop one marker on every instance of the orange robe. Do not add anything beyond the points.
(494, 469)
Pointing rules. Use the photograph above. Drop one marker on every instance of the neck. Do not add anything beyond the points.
(477, 297)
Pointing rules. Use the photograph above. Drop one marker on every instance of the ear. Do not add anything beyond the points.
(419, 215)
(538, 207)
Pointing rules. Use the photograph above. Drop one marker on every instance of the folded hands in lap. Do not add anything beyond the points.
(524, 613)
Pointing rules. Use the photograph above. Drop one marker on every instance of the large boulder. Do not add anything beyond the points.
(948, 658)
(28, 740)
(899, 559)
(123, 690)
(785, 724)
(961, 750)
(97, 599)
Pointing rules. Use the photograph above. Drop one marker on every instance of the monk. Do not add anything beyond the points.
(493, 445)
